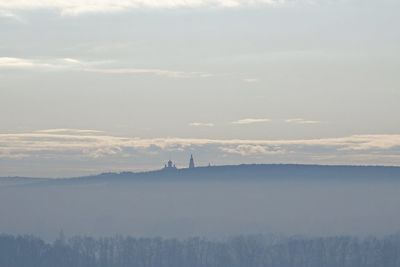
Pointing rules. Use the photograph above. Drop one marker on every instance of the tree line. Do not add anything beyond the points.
(240, 251)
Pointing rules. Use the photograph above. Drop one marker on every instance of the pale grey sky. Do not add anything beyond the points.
(231, 81)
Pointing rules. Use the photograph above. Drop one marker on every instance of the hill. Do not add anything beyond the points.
(294, 172)
(208, 201)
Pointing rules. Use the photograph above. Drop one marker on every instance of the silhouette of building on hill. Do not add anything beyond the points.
(191, 162)
(169, 166)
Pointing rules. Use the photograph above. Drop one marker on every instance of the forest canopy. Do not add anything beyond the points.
(249, 251)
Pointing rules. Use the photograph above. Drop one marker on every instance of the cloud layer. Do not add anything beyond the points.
(75, 7)
(90, 142)
(94, 146)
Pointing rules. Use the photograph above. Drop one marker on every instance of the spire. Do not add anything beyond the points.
(191, 163)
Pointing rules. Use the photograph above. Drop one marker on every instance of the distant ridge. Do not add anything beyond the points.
(4, 181)
(231, 172)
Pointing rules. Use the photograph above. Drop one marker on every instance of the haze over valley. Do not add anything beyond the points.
(199, 133)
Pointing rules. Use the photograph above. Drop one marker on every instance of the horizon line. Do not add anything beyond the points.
(203, 167)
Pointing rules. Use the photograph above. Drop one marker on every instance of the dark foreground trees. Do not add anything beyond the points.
(242, 251)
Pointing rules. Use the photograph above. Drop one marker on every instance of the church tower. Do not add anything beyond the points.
(191, 163)
(169, 165)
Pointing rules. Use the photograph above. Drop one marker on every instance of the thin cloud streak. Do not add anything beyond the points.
(157, 72)
(68, 131)
(251, 80)
(201, 124)
(302, 121)
(251, 121)
(78, 7)
(71, 64)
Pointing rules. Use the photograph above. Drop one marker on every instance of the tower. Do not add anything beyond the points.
(191, 163)
(170, 165)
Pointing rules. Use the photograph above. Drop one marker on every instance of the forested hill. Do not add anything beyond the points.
(264, 171)
(233, 172)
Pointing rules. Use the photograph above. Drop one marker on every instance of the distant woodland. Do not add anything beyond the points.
(240, 251)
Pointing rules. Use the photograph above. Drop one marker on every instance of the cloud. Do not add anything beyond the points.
(77, 7)
(201, 124)
(93, 142)
(72, 64)
(19, 63)
(251, 121)
(68, 131)
(44, 64)
(72, 60)
(10, 16)
(157, 72)
(59, 152)
(248, 150)
(251, 80)
(302, 121)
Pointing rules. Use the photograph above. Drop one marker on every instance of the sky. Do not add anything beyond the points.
(96, 86)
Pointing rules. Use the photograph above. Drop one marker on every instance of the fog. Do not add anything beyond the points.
(211, 203)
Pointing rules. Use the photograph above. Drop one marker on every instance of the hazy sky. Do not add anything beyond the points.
(92, 86)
